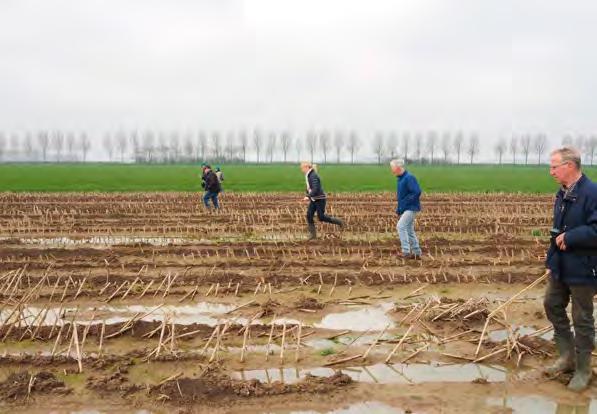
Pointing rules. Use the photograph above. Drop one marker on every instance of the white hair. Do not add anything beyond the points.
(397, 163)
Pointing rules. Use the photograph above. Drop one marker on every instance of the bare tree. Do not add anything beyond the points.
(431, 144)
(257, 142)
(567, 140)
(418, 146)
(149, 145)
(163, 151)
(525, 145)
(324, 144)
(175, 146)
(188, 147)
(539, 143)
(457, 142)
(377, 146)
(15, 144)
(216, 145)
(230, 148)
(285, 142)
(298, 146)
(121, 143)
(271, 146)
(43, 140)
(500, 149)
(338, 144)
(591, 146)
(473, 146)
(579, 142)
(135, 146)
(243, 141)
(514, 148)
(311, 143)
(58, 144)
(392, 144)
(354, 143)
(84, 145)
(405, 145)
(28, 146)
(446, 145)
(202, 145)
(70, 145)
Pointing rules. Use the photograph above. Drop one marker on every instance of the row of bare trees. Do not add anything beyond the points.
(425, 147)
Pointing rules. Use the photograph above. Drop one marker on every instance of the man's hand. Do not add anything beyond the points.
(306, 198)
(560, 242)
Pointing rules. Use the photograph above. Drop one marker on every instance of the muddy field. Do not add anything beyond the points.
(146, 303)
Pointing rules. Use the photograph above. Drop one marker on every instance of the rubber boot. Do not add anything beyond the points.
(338, 222)
(312, 232)
(566, 360)
(582, 374)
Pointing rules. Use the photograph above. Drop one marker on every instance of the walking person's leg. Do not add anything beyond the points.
(412, 236)
(214, 200)
(310, 222)
(206, 199)
(557, 297)
(402, 228)
(320, 206)
(584, 335)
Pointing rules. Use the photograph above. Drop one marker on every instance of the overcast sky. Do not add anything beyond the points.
(487, 66)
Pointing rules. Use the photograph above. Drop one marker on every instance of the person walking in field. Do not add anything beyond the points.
(211, 184)
(316, 198)
(408, 195)
(572, 262)
(219, 174)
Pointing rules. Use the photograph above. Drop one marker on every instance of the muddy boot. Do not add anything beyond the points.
(312, 232)
(582, 374)
(566, 361)
(338, 222)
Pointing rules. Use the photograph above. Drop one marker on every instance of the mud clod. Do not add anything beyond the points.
(21, 385)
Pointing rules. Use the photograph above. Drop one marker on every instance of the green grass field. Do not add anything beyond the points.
(268, 178)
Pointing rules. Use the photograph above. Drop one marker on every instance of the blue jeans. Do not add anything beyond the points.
(211, 196)
(406, 232)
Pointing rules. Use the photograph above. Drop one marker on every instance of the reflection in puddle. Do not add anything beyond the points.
(373, 318)
(501, 334)
(107, 241)
(201, 313)
(540, 405)
(385, 374)
(359, 408)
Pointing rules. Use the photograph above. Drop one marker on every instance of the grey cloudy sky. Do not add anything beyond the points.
(488, 66)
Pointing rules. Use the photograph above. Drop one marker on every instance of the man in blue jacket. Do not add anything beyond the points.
(408, 193)
(572, 261)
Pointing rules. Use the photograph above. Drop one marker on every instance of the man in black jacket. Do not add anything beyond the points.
(212, 187)
(572, 260)
(316, 198)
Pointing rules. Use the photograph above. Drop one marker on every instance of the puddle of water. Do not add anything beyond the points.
(106, 241)
(501, 334)
(359, 408)
(541, 405)
(373, 318)
(385, 374)
(201, 313)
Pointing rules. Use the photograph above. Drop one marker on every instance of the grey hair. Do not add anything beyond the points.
(568, 154)
(397, 163)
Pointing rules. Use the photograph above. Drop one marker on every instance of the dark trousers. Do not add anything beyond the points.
(557, 298)
(319, 207)
(213, 196)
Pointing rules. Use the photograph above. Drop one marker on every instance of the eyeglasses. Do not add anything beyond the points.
(553, 167)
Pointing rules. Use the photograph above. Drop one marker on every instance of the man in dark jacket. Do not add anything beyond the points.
(316, 198)
(212, 187)
(572, 261)
(408, 195)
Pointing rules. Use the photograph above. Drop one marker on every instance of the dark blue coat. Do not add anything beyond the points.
(316, 189)
(408, 193)
(576, 216)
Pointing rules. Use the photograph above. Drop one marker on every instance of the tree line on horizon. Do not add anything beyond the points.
(323, 146)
